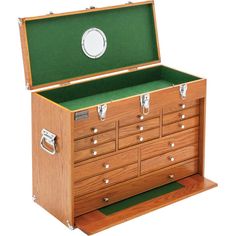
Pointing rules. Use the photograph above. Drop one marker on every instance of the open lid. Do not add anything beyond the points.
(60, 48)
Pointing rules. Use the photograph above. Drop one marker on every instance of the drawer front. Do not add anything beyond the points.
(179, 106)
(95, 140)
(139, 138)
(170, 143)
(180, 126)
(180, 115)
(114, 194)
(106, 180)
(81, 131)
(139, 127)
(105, 165)
(94, 152)
(169, 158)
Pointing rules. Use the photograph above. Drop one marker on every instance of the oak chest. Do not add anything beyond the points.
(110, 124)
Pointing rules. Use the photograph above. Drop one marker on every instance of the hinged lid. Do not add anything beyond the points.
(54, 49)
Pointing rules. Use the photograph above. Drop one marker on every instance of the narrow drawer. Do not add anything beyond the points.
(105, 165)
(169, 158)
(95, 140)
(84, 131)
(139, 127)
(94, 152)
(179, 106)
(180, 126)
(114, 194)
(106, 180)
(139, 138)
(180, 115)
(170, 143)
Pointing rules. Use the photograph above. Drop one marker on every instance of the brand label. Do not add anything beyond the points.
(81, 115)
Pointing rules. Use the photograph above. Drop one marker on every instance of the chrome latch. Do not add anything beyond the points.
(50, 139)
(102, 110)
(183, 90)
(145, 103)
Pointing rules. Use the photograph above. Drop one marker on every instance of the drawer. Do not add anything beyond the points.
(94, 152)
(180, 126)
(179, 106)
(105, 180)
(139, 138)
(95, 140)
(169, 158)
(105, 165)
(114, 194)
(180, 115)
(170, 143)
(138, 128)
(84, 131)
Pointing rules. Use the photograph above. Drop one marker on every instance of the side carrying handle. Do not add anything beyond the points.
(50, 139)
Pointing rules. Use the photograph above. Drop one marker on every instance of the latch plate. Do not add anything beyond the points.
(102, 110)
(183, 90)
(49, 138)
(145, 103)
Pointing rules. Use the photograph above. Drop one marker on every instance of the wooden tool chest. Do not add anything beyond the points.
(109, 122)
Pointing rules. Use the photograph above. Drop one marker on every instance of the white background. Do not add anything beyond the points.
(196, 36)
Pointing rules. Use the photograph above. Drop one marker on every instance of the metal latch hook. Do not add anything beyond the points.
(145, 103)
(102, 110)
(183, 90)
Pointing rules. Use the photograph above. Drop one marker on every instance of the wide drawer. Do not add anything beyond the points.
(105, 165)
(180, 115)
(108, 196)
(139, 138)
(180, 126)
(179, 106)
(81, 130)
(94, 152)
(94, 140)
(105, 180)
(139, 127)
(170, 143)
(169, 158)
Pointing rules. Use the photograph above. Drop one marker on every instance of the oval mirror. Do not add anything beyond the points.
(94, 43)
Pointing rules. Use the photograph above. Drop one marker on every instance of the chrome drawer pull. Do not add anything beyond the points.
(106, 199)
(171, 158)
(95, 130)
(182, 126)
(172, 145)
(106, 166)
(141, 139)
(106, 181)
(49, 138)
(141, 128)
(94, 141)
(171, 176)
(183, 106)
(141, 117)
(94, 153)
(182, 116)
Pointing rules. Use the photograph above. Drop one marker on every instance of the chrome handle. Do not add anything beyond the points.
(94, 153)
(141, 139)
(94, 141)
(106, 199)
(182, 126)
(141, 128)
(182, 116)
(106, 166)
(95, 130)
(106, 181)
(172, 145)
(141, 117)
(171, 158)
(183, 106)
(172, 176)
(49, 138)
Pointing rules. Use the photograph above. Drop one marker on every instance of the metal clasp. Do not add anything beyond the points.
(183, 90)
(48, 138)
(145, 103)
(102, 109)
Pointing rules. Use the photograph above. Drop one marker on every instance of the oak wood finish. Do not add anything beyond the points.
(169, 158)
(139, 128)
(52, 175)
(180, 115)
(99, 182)
(94, 201)
(180, 126)
(95, 140)
(95, 221)
(105, 165)
(139, 138)
(163, 145)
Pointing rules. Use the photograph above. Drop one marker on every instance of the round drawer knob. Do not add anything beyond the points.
(94, 141)
(171, 158)
(171, 176)
(106, 199)
(141, 117)
(94, 153)
(183, 106)
(141, 128)
(106, 166)
(95, 130)
(141, 139)
(182, 126)
(182, 116)
(106, 181)
(172, 145)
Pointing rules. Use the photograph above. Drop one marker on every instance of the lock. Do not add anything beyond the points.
(145, 103)
(183, 90)
(102, 110)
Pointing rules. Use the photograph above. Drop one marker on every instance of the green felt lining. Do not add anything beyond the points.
(142, 197)
(55, 43)
(91, 93)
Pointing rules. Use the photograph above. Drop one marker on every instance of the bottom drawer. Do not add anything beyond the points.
(114, 194)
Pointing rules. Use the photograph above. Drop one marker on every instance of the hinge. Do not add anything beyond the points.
(102, 110)
(183, 90)
(20, 21)
(90, 8)
(51, 13)
(65, 84)
(133, 69)
(129, 2)
(145, 103)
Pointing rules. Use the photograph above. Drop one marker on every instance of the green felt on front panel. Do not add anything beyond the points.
(142, 197)
(55, 43)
